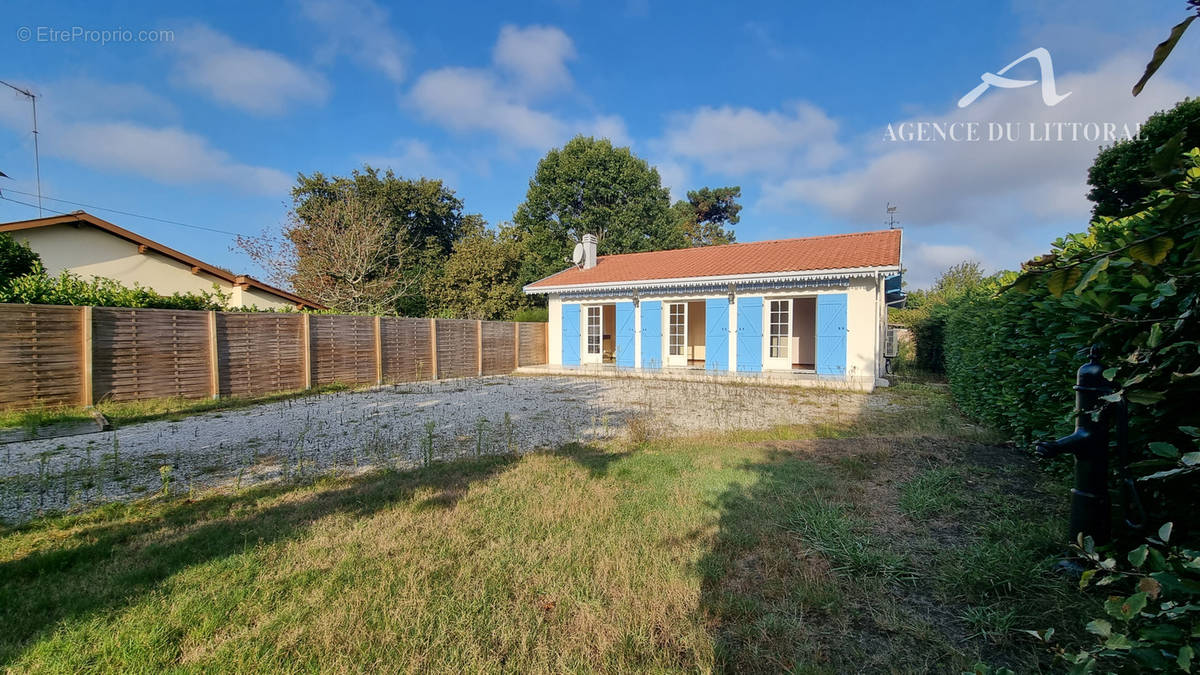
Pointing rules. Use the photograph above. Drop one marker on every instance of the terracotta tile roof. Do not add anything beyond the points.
(830, 252)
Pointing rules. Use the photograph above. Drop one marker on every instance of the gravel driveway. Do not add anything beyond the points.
(399, 426)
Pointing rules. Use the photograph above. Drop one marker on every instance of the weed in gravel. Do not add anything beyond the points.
(481, 426)
(427, 442)
(164, 473)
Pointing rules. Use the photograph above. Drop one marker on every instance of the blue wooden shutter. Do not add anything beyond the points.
(831, 334)
(625, 335)
(570, 334)
(749, 334)
(651, 333)
(716, 334)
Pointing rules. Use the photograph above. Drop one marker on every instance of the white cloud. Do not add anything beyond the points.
(111, 137)
(106, 100)
(535, 56)
(528, 64)
(611, 127)
(988, 184)
(358, 28)
(729, 140)
(674, 177)
(467, 99)
(169, 155)
(254, 80)
(925, 262)
(413, 158)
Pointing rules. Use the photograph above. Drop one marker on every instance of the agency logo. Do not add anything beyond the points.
(1050, 95)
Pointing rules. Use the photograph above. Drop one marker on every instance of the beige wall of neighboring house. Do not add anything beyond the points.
(88, 249)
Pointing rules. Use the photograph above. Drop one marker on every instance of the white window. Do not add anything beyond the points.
(677, 329)
(593, 330)
(780, 324)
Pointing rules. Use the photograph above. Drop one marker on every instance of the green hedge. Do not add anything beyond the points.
(1011, 359)
(70, 289)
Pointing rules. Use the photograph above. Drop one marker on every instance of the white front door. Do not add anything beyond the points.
(677, 334)
(777, 328)
(593, 324)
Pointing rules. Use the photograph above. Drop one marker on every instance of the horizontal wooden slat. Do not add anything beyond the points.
(41, 350)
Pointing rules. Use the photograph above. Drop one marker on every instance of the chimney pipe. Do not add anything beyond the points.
(589, 251)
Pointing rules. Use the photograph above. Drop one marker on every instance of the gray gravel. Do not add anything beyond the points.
(388, 427)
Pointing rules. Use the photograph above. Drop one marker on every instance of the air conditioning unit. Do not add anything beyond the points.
(891, 346)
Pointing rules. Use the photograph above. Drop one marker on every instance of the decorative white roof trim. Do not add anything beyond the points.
(805, 275)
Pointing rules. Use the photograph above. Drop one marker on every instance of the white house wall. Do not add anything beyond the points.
(554, 335)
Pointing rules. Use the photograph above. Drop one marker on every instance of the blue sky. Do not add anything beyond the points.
(789, 100)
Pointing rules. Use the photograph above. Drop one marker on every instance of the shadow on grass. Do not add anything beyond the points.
(771, 583)
(74, 576)
(596, 460)
(824, 563)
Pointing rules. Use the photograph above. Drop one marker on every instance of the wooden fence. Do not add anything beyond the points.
(51, 355)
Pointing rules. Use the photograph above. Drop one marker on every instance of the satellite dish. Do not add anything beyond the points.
(577, 254)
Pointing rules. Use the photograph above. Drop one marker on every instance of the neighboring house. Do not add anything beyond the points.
(815, 307)
(92, 247)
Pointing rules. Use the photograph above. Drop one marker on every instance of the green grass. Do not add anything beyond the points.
(932, 493)
(804, 549)
(120, 413)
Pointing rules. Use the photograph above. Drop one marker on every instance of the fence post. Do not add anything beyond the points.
(433, 345)
(85, 378)
(479, 347)
(306, 350)
(516, 345)
(214, 368)
(378, 350)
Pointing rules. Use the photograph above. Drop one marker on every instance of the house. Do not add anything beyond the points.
(92, 247)
(809, 310)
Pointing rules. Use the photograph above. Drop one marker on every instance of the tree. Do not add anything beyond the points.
(423, 215)
(1122, 174)
(927, 311)
(342, 253)
(588, 186)
(418, 209)
(419, 221)
(16, 258)
(707, 211)
(480, 278)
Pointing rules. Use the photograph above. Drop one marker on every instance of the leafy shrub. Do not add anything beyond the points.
(540, 314)
(927, 310)
(1129, 286)
(71, 289)
(16, 258)
(1152, 610)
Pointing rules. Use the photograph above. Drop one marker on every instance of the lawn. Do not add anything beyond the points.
(899, 541)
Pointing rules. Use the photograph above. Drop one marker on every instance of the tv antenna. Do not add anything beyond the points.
(37, 162)
(577, 255)
(891, 221)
